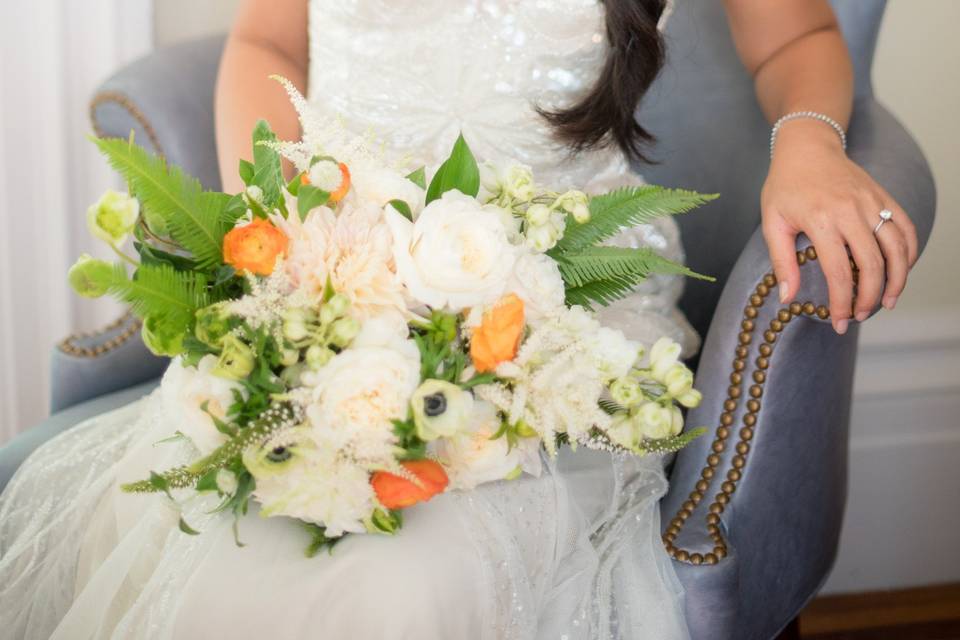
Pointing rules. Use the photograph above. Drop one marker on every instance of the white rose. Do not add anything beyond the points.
(655, 421)
(473, 458)
(361, 390)
(537, 281)
(455, 255)
(184, 390)
(378, 186)
(614, 354)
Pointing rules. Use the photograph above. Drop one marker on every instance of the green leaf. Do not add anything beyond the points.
(172, 296)
(402, 208)
(673, 443)
(268, 174)
(624, 208)
(459, 171)
(246, 171)
(192, 216)
(602, 292)
(310, 197)
(418, 177)
(591, 264)
(187, 528)
(295, 182)
(150, 255)
(176, 437)
(208, 481)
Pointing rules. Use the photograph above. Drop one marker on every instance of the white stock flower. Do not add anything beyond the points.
(472, 458)
(354, 398)
(455, 255)
(537, 281)
(184, 390)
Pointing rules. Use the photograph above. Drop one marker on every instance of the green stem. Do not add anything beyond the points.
(124, 256)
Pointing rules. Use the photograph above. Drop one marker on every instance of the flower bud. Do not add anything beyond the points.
(156, 223)
(623, 430)
(236, 359)
(542, 238)
(517, 180)
(226, 482)
(626, 391)
(295, 324)
(654, 420)
(344, 331)
(289, 357)
(676, 421)
(254, 193)
(581, 213)
(291, 375)
(90, 277)
(678, 379)
(690, 399)
(112, 217)
(318, 356)
(382, 521)
(161, 338)
(338, 304)
(663, 355)
(440, 409)
(213, 324)
(538, 214)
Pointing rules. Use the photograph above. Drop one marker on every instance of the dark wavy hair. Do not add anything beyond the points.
(606, 114)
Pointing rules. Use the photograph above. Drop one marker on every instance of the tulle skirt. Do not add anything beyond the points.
(573, 554)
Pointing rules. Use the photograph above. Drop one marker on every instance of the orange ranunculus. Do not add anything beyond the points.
(337, 194)
(497, 338)
(254, 247)
(395, 492)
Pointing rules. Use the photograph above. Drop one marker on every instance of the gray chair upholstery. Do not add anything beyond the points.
(753, 514)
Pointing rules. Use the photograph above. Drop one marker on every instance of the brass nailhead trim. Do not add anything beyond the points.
(70, 347)
(126, 103)
(746, 433)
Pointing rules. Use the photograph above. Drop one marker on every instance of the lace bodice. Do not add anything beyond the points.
(417, 73)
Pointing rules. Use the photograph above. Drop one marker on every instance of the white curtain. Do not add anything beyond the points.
(53, 54)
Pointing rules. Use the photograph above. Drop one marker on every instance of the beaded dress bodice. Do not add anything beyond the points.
(416, 74)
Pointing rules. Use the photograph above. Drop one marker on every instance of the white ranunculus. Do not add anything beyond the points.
(360, 391)
(473, 458)
(184, 390)
(615, 355)
(655, 421)
(455, 255)
(537, 281)
(378, 186)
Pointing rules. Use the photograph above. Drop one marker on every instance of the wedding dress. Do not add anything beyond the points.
(574, 554)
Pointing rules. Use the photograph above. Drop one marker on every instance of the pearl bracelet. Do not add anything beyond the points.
(807, 114)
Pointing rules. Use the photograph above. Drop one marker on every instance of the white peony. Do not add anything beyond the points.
(379, 185)
(356, 396)
(184, 390)
(455, 255)
(473, 458)
(537, 281)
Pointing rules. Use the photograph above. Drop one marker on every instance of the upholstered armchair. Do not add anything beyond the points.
(754, 509)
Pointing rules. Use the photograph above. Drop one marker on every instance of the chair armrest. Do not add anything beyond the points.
(166, 98)
(86, 366)
(777, 384)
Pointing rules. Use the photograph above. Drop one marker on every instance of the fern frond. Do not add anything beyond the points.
(193, 216)
(601, 292)
(603, 263)
(624, 208)
(162, 291)
(672, 443)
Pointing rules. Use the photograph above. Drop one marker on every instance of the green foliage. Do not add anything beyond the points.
(194, 217)
(319, 540)
(310, 197)
(402, 208)
(602, 292)
(459, 171)
(168, 296)
(673, 443)
(603, 263)
(267, 173)
(418, 177)
(627, 207)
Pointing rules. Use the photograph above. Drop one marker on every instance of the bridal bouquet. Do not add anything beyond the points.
(359, 339)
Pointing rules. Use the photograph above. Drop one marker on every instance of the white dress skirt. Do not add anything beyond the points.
(573, 554)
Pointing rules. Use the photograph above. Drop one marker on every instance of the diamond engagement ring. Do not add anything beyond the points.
(885, 215)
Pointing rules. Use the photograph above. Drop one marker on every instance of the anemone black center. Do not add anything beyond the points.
(279, 454)
(434, 404)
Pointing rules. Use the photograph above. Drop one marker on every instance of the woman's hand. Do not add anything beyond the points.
(814, 188)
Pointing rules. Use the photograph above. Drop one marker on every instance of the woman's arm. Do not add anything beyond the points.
(269, 37)
(799, 61)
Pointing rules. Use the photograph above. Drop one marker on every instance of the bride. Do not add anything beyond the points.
(575, 553)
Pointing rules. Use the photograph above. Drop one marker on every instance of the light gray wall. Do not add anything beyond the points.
(901, 527)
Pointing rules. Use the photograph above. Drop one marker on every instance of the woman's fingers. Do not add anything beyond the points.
(897, 256)
(903, 222)
(782, 243)
(833, 259)
(870, 264)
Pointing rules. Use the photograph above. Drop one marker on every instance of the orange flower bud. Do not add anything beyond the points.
(395, 492)
(254, 247)
(497, 338)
